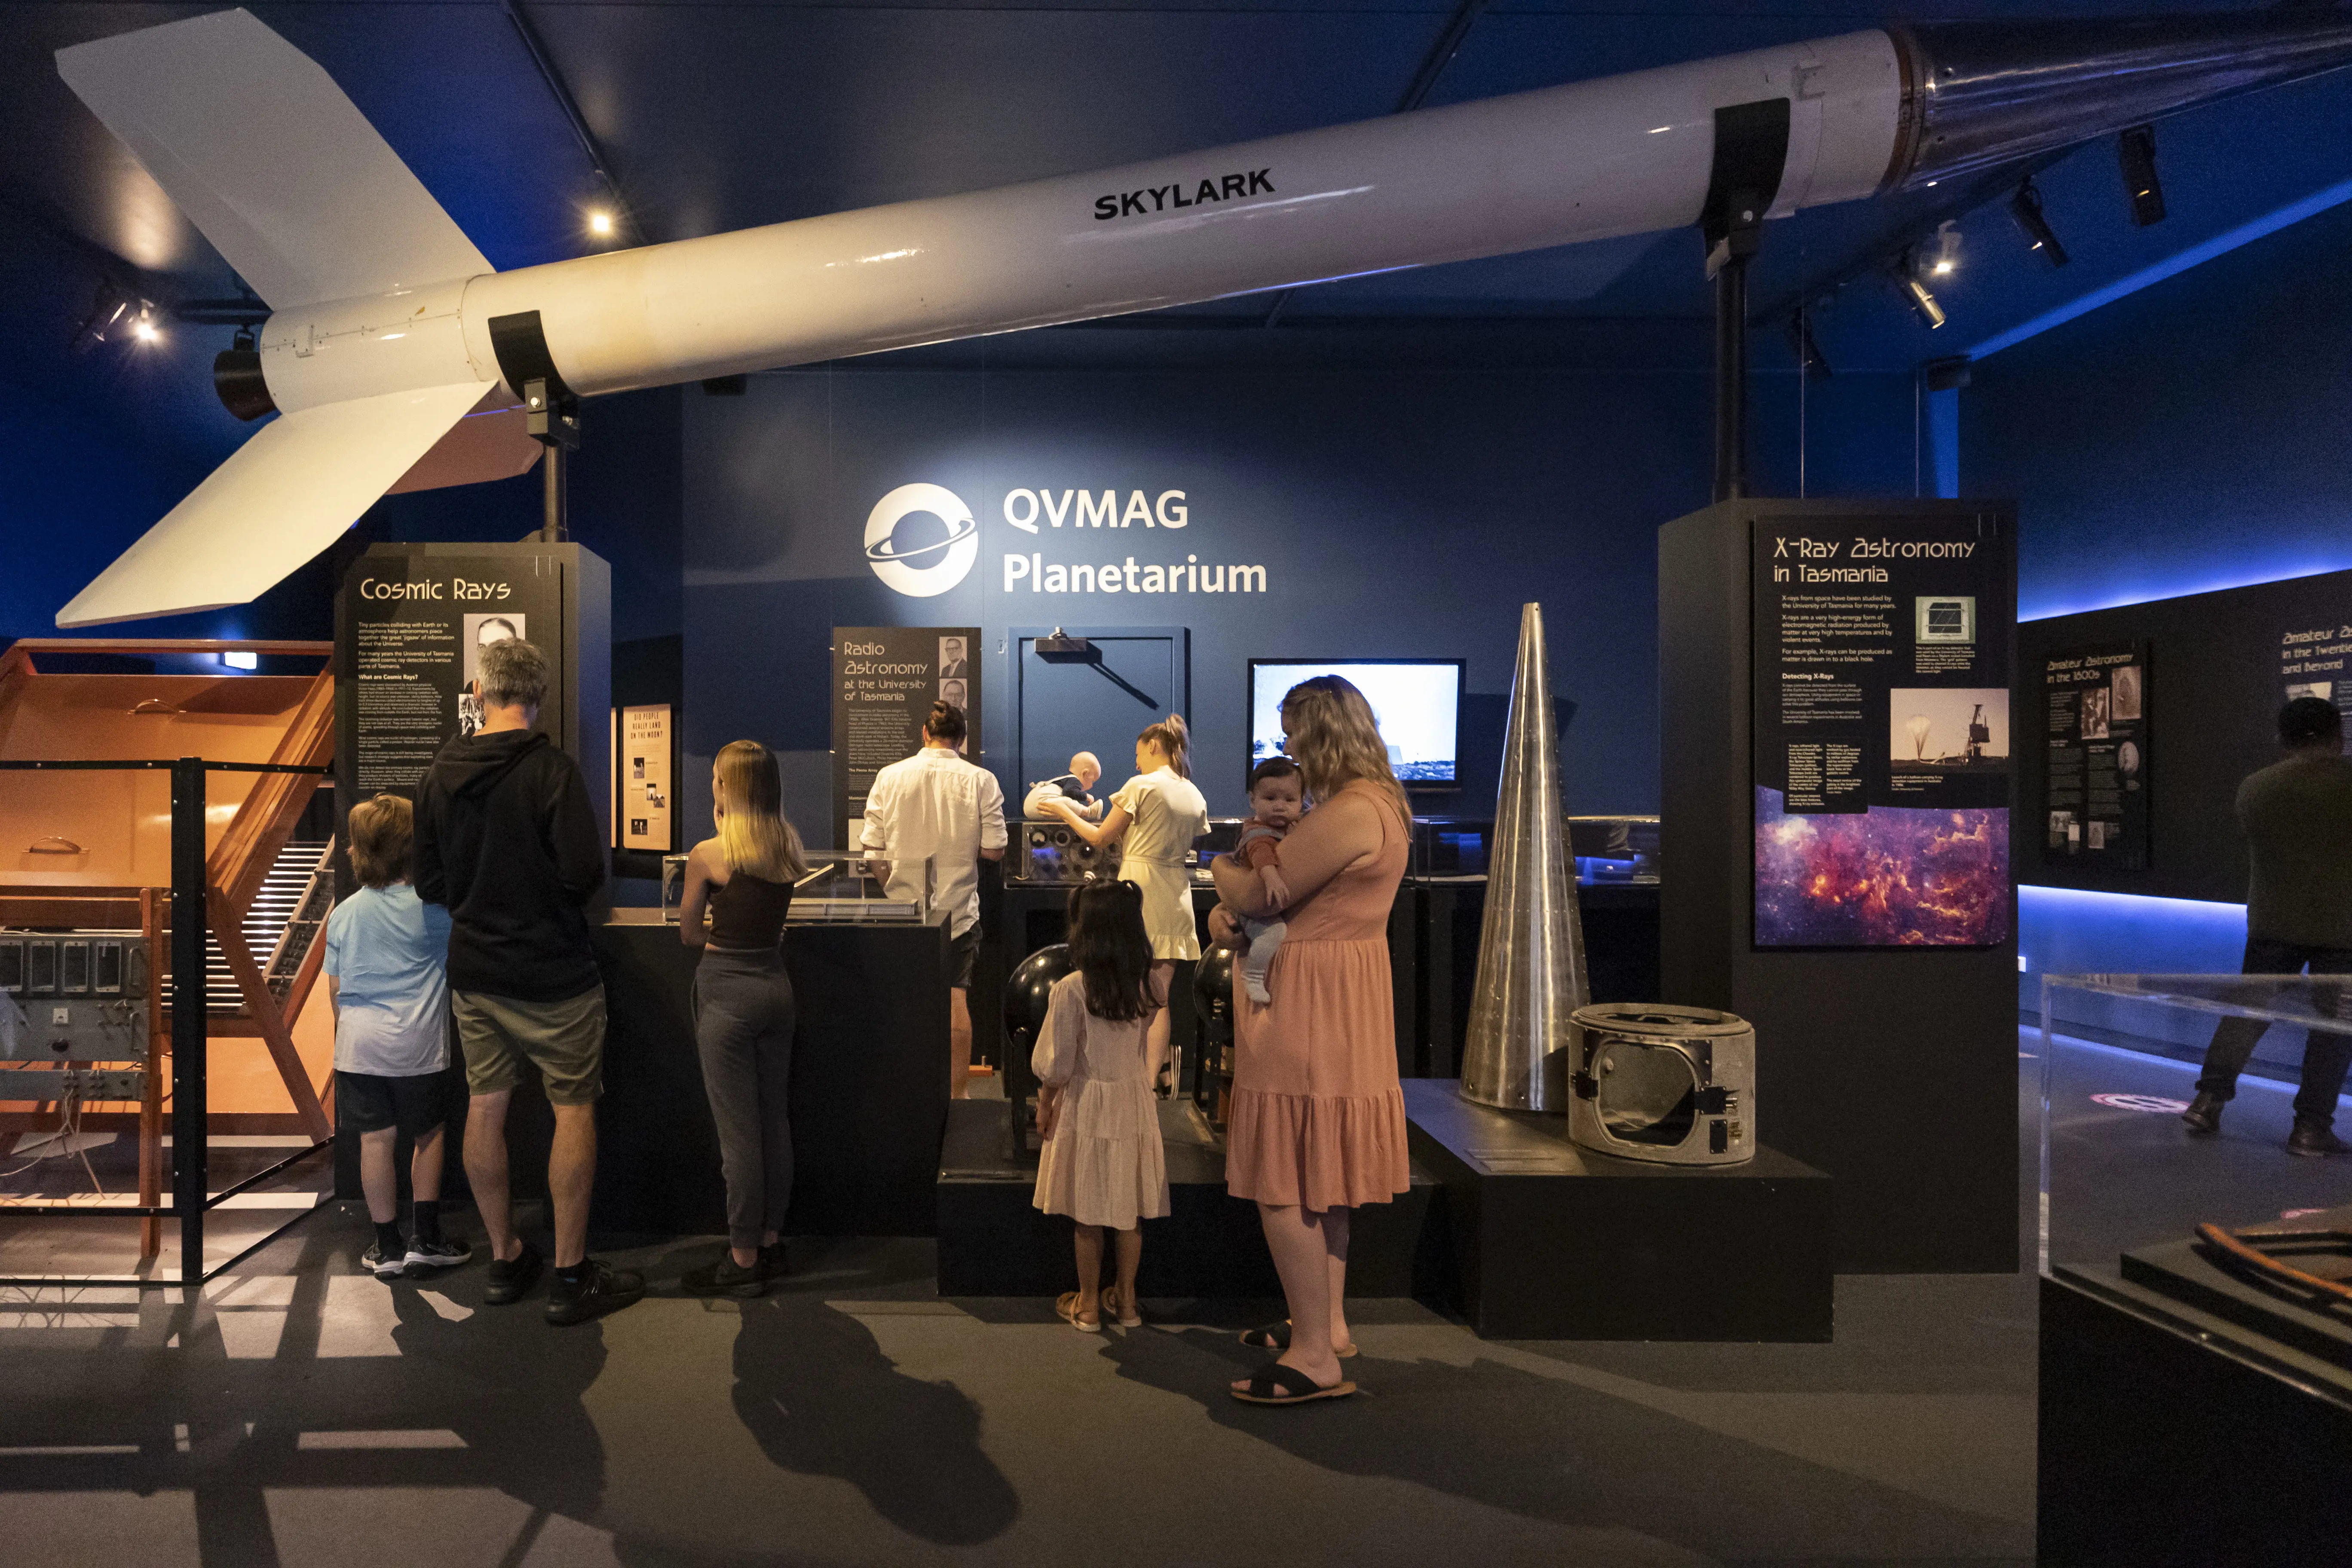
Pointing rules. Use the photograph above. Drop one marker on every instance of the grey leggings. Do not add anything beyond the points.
(743, 1031)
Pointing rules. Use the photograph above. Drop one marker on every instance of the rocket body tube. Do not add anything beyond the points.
(1626, 154)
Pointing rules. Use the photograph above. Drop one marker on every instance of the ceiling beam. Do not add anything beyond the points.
(624, 217)
(1433, 66)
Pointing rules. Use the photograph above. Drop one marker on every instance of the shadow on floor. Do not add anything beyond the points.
(813, 1386)
(1572, 1456)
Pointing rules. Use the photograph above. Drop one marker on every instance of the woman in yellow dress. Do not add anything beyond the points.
(1154, 818)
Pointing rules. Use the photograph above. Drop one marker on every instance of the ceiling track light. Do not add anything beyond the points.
(2026, 208)
(2135, 152)
(1906, 273)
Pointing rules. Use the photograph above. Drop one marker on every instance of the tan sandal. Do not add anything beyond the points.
(1129, 1316)
(1066, 1304)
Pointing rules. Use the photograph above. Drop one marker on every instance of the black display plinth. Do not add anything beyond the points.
(1893, 1069)
(1552, 1242)
(992, 1242)
(2173, 1435)
(870, 1087)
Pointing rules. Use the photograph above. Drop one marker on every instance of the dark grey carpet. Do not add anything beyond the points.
(304, 1413)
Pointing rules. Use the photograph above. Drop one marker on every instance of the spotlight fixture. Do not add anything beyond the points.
(1906, 273)
(600, 223)
(144, 329)
(108, 306)
(1947, 249)
(2135, 151)
(2025, 207)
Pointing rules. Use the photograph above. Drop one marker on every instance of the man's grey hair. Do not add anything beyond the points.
(513, 674)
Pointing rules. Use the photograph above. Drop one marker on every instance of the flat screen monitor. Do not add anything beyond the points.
(1416, 701)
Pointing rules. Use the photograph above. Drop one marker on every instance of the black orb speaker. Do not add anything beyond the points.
(1027, 992)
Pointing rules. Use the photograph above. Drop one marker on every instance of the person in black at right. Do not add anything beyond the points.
(2297, 815)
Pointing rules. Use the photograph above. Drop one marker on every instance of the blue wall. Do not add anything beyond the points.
(1394, 511)
(2194, 436)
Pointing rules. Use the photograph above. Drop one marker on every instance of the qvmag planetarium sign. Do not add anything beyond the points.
(922, 540)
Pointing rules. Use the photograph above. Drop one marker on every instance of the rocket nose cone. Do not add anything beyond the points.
(1978, 94)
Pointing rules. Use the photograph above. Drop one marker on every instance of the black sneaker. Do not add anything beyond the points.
(510, 1281)
(598, 1289)
(383, 1265)
(728, 1277)
(435, 1256)
(772, 1261)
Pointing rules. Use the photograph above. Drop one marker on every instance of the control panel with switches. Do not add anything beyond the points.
(73, 996)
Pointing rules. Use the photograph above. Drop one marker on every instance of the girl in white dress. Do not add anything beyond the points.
(1154, 818)
(1102, 1164)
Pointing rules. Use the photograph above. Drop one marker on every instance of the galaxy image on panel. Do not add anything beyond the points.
(1892, 877)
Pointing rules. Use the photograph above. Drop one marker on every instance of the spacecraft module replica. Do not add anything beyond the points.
(1676, 1086)
(390, 328)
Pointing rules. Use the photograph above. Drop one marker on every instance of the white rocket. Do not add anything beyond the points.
(389, 327)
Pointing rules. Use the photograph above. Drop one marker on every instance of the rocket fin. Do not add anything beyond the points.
(487, 443)
(278, 501)
(269, 159)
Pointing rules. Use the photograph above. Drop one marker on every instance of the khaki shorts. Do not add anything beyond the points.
(564, 1040)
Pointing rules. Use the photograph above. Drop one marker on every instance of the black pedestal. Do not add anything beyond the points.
(1893, 1069)
(869, 1088)
(992, 1242)
(1552, 1242)
(2172, 1436)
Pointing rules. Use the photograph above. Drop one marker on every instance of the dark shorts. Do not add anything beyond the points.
(370, 1103)
(960, 952)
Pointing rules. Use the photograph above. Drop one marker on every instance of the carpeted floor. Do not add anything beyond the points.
(302, 1412)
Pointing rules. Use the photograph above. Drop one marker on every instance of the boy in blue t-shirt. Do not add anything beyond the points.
(386, 956)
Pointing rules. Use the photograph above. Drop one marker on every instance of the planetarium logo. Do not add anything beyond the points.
(920, 561)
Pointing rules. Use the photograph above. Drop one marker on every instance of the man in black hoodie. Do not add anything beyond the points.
(507, 839)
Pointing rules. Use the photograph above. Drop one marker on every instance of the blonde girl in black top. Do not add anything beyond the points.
(739, 887)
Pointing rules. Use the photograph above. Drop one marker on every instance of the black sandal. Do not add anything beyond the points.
(1274, 1384)
(1275, 1337)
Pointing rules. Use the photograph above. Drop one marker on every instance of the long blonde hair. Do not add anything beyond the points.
(753, 833)
(1173, 739)
(1335, 741)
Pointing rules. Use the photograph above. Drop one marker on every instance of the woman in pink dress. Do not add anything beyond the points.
(1318, 1115)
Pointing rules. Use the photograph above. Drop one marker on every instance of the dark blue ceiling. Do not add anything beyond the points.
(716, 116)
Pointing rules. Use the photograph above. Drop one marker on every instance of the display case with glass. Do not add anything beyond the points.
(2196, 1228)
(838, 888)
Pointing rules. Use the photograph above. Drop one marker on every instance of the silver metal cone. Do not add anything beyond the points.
(1531, 948)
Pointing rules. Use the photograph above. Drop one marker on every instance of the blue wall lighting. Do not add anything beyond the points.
(2067, 930)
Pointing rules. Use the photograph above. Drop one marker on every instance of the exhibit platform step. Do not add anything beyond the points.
(992, 1242)
(1549, 1241)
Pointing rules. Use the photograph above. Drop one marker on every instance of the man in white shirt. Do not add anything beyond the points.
(934, 806)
